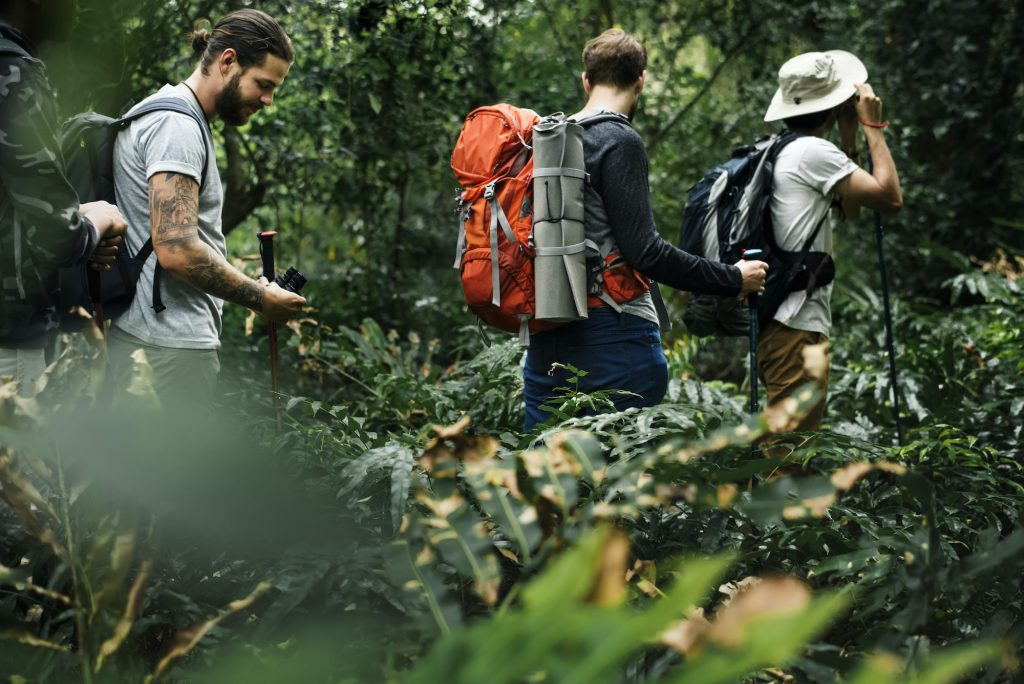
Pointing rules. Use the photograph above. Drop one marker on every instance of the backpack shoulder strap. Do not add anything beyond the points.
(170, 104)
(601, 116)
(781, 141)
(165, 104)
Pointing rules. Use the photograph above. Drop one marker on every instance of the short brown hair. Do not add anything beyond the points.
(250, 33)
(614, 58)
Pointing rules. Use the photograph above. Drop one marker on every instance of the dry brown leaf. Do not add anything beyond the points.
(121, 554)
(31, 640)
(686, 636)
(131, 609)
(250, 323)
(769, 597)
(610, 584)
(487, 590)
(450, 431)
(733, 589)
(426, 556)
(847, 476)
(5, 578)
(187, 639)
(563, 460)
(780, 676)
(442, 508)
(816, 507)
(508, 553)
(725, 494)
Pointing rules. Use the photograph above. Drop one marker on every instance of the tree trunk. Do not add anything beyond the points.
(240, 197)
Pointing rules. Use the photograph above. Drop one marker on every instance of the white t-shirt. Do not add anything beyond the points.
(805, 173)
(157, 143)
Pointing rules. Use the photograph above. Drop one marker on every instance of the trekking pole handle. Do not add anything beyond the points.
(266, 238)
(748, 255)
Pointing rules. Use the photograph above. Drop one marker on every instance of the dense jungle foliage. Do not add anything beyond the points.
(395, 524)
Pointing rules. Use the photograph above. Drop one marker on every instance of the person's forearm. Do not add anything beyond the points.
(883, 167)
(202, 267)
(669, 265)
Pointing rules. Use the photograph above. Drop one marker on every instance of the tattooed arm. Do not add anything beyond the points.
(174, 217)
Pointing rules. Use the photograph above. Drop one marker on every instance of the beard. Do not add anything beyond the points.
(230, 106)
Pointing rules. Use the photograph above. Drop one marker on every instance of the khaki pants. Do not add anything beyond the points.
(181, 377)
(24, 366)
(780, 365)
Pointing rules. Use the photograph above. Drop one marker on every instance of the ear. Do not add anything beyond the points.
(640, 82)
(586, 83)
(227, 60)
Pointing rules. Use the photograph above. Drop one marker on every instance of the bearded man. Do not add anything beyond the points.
(168, 186)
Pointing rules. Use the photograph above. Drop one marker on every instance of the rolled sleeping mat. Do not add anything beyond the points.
(560, 265)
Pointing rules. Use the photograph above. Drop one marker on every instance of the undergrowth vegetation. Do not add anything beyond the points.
(396, 524)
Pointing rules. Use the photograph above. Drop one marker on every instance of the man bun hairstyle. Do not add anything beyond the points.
(614, 58)
(200, 39)
(249, 32)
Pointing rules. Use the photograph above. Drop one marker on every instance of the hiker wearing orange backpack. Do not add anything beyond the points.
(618, 345)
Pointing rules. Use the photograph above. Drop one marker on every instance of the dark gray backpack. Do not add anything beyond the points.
(87, 143)
(727, 212)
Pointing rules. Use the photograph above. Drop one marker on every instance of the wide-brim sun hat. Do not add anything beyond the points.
(815, 81)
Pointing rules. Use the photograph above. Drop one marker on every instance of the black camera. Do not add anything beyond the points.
(292, 280)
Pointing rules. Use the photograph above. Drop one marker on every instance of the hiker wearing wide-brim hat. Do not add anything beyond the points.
(811, 176)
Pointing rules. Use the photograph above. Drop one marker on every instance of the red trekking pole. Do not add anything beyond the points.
(266, 238)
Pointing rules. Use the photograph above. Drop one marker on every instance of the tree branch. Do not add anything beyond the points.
(656, 139)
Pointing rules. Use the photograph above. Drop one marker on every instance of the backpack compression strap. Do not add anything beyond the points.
(165, 104)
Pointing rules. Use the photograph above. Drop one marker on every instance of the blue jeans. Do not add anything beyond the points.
(618, 351)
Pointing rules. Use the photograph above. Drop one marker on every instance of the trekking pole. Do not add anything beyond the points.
(752, 305)
(888, 321)
(266, 238)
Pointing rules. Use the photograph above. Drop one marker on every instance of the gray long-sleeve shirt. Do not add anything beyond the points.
(617, 163)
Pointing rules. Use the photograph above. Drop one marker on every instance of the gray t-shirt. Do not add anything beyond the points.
(157, 143)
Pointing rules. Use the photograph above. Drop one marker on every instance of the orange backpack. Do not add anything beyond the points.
(493, 163)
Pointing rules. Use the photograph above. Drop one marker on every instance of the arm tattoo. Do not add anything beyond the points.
(174, 217)
(213, 275)
(173, 208)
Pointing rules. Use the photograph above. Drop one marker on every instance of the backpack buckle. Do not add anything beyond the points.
(489, 192)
